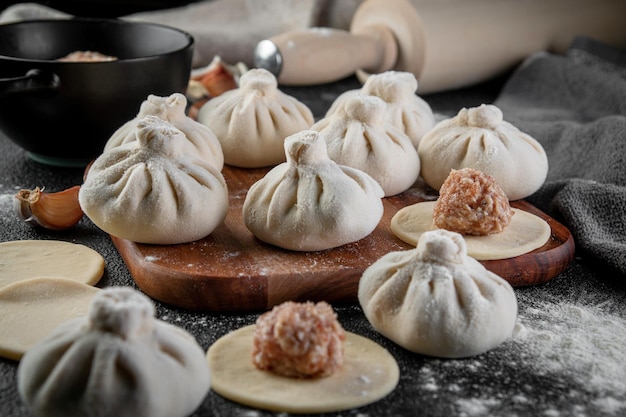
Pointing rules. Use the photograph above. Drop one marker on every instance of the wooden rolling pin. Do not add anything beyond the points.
(447, 44)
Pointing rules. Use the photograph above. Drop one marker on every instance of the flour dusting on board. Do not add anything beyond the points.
(561, 351)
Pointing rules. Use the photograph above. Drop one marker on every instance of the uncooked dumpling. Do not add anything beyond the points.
(360, 137)
(405, 109)
(310, 202)
(252, 121)
(151, 191)
(437, 301)
(479, 138)
(116, 361)
(202, 140)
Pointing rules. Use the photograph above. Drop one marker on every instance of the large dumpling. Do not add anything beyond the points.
(480, 139)
(118, 360)
(405, 109)
(202, 141)
(360, 137)
(252, 121)
(151, 191)
(310, 202)
(437, 301)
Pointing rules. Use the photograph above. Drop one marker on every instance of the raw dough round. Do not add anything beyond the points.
(33, 308)
(525, 233)
(24, 259)
(368, 374)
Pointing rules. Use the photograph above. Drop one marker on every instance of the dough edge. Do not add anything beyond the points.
(22, 260)
(410, 222)
(41, 315)
(230, 361)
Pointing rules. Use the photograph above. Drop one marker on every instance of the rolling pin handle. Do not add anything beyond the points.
(322, 55)
(268, 56)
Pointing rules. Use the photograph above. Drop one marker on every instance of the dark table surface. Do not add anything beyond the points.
(569, 358)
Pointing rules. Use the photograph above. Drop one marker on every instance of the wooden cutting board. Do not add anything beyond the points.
(231, 270)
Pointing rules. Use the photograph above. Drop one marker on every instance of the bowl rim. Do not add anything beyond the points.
(190, 41)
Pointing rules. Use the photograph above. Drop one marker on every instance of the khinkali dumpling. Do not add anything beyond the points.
(360, 137)
(310, 202)
(437, 301)
(118, 360)
(151, 191)
(252, 121)
(202, 140)
(405, 109)
(479, 138)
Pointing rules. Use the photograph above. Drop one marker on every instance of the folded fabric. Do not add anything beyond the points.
(575, 106)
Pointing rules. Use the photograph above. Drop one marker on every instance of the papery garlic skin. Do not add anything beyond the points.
(53, 211)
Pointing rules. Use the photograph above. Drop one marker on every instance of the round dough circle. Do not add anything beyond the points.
(525, 233)
(33, 308)
(368, 374)
(24, 259)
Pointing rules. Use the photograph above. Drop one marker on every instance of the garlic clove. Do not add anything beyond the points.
(54, 211)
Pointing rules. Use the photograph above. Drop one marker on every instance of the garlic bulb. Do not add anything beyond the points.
(54, 211)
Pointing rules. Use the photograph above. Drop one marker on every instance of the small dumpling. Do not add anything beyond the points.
(118, 360)
(360, 137)
(311, 203)
(202, 141)
(252, 121)
(480, 139)
(151, 191)
(437, 301)
(405, 109)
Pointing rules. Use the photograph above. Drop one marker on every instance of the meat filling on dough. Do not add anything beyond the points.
(471, 203)
(301, 340)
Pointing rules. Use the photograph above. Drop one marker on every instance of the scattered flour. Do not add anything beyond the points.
(582, 342)
(577, 351)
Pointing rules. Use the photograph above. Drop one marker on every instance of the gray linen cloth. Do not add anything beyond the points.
(575, 106)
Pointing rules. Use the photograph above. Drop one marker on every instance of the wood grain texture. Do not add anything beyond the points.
(230, 270)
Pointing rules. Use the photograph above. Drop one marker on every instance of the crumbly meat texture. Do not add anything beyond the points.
(87, 56)
(301, 340)
(471, 203)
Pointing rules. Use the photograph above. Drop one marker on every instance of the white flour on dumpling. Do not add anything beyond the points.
(117, 360)
(436, 300)
(151, 191)
(310, 202)
(405, 109)
(252, 121)
(479, 138)
(360, 137)
(202, 141)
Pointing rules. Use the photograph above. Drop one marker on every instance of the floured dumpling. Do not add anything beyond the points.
(479, 138)
(118, 360)
(405, 109)
(310, 202)
(436, 300)
(151, 191)
(252, 121)
(202, 141)
(360, 137)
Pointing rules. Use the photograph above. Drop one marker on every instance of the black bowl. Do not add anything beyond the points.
(62, 113)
